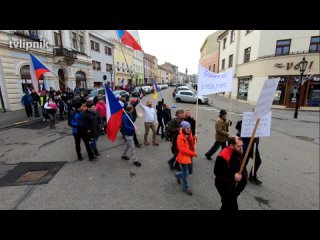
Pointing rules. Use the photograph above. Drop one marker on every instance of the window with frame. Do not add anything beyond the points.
(96, 46)
(109, 67)
(96, 65)
(283, 47)
(74, 41)
(33, 34)
(223, 63)
(107, 50)
(247, 52)
(233, 36)
(224, 43)
(230, 60)
(81, 43)
(314, 44)
(57, 39)
(92, 45)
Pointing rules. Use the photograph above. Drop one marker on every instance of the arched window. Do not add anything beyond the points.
(81, 79)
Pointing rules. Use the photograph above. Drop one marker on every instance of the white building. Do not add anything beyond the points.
(102, 53)
(138, 63)
(256, 55)
(66, 54)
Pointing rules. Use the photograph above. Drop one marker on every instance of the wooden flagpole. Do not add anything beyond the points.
(249, 146)
(254, 157)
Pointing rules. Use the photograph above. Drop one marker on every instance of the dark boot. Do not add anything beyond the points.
(96, 152)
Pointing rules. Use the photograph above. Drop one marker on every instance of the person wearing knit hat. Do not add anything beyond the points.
(186, 147)
(222, 134)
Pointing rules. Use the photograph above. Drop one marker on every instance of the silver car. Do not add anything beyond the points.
(190, 96)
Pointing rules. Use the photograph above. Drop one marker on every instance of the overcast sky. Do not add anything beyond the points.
(179, 47)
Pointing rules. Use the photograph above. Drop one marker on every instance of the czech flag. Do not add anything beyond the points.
(114, 114)
(37, 69)
(127, 39)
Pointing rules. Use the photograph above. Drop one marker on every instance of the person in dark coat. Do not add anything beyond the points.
(35, 102)
(26, 101)
(79, 120)
(174, 130)
(159, 109)
(134, 115)
(190, 120)
(229, 182)
(253, 174)
(60, 104)
(96, 127)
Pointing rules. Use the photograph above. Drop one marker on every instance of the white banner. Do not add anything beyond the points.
(263, 129)
(266, 97)
(210, 82)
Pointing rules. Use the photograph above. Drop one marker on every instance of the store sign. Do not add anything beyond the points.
(291, 65)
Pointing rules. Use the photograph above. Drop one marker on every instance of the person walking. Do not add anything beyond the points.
(222, 133)
(149, 122)
(166, 119)
(128, 130)
(186, 150)
(229, 182)
(173, 131)
(80, 123)
(159, 109)
(102, 110)
(96, 128)
(35, 102)
(26, 101)
(134, 114)
(51, 108)
(253, 174)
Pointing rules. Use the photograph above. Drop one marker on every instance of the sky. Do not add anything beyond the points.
(179, 47)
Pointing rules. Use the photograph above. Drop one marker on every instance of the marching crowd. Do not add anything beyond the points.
(88, 122)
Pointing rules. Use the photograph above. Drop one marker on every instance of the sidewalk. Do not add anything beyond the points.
(16, 118)
(238, 106)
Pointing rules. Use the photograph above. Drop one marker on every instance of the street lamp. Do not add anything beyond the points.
(303, 65)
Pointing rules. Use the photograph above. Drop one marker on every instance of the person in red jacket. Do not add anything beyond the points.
(186, 146)
(101, 109)
(229, 182)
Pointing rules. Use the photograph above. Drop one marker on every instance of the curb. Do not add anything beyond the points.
(306, 121)
(20, 124)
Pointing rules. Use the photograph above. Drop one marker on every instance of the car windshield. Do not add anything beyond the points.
(94, 93)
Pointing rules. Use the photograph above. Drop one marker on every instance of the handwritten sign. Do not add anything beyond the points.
(266, 98)
(248, 125)
(210, 82)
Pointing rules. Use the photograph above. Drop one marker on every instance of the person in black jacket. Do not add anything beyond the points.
(35, 102)
(229, 182)
(159, 109)
(166, 119)
(253, 175)
(79, 120)
(96, 127)
(190, 120)
(134, 115)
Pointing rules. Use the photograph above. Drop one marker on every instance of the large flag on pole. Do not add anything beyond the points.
(114, 114)
(127, 39)
(37, 69)
(155, 89)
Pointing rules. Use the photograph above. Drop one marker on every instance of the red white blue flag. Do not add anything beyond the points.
(127, 39)
(37, 69)
(114, 114)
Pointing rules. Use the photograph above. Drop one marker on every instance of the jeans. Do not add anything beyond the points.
(52, 117)
(186, 170)
(36, 109)
(215, 147)
(160, 126)
(257, 161)
(93, 144)
(28, 109)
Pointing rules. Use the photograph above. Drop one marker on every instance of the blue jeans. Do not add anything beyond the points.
(186, 170)
(93, 144)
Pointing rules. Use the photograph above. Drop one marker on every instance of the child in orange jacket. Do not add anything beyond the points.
(186, 146)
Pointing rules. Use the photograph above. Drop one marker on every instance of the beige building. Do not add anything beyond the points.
(66, 54)
(210, 52)
(151, 68)
(256, 55)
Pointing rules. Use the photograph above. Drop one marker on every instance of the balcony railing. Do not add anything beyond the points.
(291, 53)
(64, 53)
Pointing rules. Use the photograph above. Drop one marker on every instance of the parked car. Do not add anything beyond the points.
(136, 92)
(121, 93)
(181, 88)
(96, 92)
(147, 89)
(190, 96)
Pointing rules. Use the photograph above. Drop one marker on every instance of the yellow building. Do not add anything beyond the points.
(122, 72)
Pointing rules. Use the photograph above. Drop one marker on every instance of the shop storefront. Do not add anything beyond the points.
(243, 87)
(288, 88)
